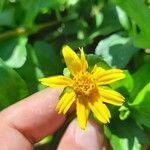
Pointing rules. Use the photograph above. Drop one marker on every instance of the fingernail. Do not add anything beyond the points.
(91, 138)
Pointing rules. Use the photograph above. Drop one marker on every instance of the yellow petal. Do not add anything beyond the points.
(65, 102)
(110, 96)
(56, 81)
(82, 113)
(72, 60)
(84, 63)
(97, 72)
(109, 76)
(100, 111)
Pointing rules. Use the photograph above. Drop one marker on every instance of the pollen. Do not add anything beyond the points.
(84, 84)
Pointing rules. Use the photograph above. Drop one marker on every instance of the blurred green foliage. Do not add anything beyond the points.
(116, 32)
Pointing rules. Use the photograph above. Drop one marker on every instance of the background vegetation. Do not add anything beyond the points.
(33, 32)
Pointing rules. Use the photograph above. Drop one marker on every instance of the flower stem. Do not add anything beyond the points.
(25, 31)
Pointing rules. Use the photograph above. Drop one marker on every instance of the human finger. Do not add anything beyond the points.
(77, 139)
(33, 118)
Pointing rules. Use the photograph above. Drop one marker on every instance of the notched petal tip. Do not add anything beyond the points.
(82, 111)
(43, 81)
(110, 76)
(84, 62)
(65, 102)
(82, 124)
(108, 121)
(80, 48)
(110, 96)
(58, 110)
(82, 127)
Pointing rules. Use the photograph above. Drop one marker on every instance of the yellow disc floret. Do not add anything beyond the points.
(84, 84)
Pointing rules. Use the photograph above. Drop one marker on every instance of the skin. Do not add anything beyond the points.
(28, 121)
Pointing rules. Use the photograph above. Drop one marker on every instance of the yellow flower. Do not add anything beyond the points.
(86, 89)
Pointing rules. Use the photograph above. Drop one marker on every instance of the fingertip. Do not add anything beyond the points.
(75, 138)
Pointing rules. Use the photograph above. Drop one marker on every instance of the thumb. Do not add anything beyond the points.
(77, 139)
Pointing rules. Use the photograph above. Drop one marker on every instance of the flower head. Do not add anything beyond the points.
(86, 89)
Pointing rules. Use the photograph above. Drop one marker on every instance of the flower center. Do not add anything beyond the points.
(84, 84)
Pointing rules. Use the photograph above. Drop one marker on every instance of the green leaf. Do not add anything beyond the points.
(125, 135)
(116, 50)
(98, 18)
(13, 51)
(125, 86)
(141, 78)
(140, 20)
(7, 17)
(96, 60)
(30, 72)
(19, 54)
(76, 26)
(12, 86)
(48, 58)
(33, 8)
(110, 22)
(102, 24)
(140, 106)
(2, 4)
(124, 20)
(42, 60)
